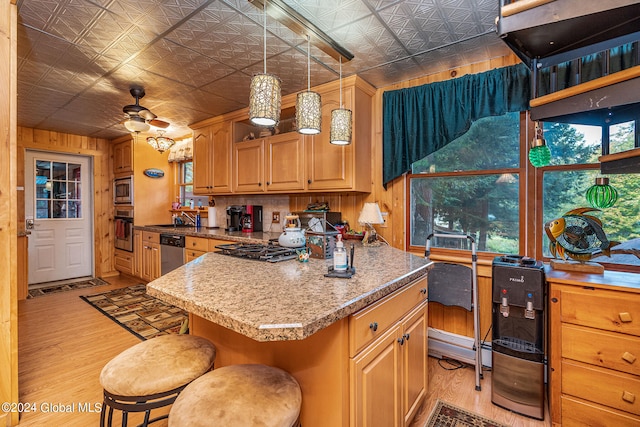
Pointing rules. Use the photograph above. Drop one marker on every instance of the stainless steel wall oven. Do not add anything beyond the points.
(123, 221)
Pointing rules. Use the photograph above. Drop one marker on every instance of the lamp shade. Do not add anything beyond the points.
(602, 195)
(370, 214)
(160, 143)
(136, 124)
(340, 127)
(309, 113)
(264, 100)
(539, 154)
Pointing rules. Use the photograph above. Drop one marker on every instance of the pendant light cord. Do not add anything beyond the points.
(265, 36)
(341, 106)
(308, 65)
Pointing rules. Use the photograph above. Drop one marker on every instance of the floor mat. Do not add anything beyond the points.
(447, 415)
(139, 313)
(42, 290)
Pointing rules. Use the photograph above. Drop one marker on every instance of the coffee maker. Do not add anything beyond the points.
(251, 218)
(234, 217)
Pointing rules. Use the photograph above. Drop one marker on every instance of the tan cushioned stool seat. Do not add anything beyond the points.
(239, 396)
(157, 365)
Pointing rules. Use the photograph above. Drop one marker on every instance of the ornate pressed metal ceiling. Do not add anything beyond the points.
(195, 58)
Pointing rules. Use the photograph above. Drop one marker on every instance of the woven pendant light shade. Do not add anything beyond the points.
(340, 127)
(264, 100)
(309, 113)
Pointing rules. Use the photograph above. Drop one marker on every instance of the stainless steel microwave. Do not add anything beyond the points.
(123, 191)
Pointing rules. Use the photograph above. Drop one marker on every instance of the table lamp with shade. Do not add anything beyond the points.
(370, 215)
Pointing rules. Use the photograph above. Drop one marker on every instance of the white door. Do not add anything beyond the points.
(58, 201)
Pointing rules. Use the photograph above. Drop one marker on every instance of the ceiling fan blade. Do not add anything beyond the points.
(159, 123)
(146, 114)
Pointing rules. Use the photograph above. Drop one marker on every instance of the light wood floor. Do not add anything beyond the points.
(64, 343)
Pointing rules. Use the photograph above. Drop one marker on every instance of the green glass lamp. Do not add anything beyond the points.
(539, 154)
(601, 195)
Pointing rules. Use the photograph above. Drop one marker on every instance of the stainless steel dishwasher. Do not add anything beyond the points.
(171, 252)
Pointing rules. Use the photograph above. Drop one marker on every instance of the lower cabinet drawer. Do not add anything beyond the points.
(371, 322)
(578, 413)
(607, 349)
(196, 243)
(610, 388)
(191, 254)
(123, 262)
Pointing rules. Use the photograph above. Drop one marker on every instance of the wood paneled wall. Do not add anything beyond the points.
(8, 212)
(100, 150)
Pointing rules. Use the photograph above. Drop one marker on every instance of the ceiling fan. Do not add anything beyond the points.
(139, 118)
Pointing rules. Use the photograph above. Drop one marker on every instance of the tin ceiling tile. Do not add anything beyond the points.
(77, 59)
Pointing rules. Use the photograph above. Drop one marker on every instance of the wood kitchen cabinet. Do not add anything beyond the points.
(346, 168)
(212, 159)
(123, 158)
(198, 246)
(594, 349)
(137, 253)
(275, 163)
(123, 261)
(389, 366)
(150, 255)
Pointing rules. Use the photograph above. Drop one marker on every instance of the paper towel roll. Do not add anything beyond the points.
(212, 219)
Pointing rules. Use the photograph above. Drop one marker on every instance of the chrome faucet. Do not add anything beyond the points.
(192, 219)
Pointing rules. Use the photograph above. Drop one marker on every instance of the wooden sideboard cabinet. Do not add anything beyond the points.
(594, 349)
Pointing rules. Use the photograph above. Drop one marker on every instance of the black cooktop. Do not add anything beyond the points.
(257, 251)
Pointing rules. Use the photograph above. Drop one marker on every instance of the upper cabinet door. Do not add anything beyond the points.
(248, 166)
(328, 165)
(123, 158)
(221, 157)
(285, 162)
(202, 163)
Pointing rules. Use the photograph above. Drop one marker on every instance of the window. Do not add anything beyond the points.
(471, 186)
(575, 150)
(185, 182)
(58, 190)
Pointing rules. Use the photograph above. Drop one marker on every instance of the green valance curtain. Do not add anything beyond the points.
(420, 120)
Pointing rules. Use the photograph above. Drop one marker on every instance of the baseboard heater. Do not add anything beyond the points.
(459, 347)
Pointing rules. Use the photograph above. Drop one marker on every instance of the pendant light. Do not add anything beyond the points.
(340, 121)
(601, 195)
(539, 154)
(264, 96)
(308, 105)
(160, 143)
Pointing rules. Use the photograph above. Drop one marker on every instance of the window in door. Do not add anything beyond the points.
(57, 191)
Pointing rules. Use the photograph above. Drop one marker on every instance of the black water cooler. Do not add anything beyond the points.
(518, 341)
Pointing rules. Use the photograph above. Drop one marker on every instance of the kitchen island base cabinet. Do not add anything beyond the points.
(350, 374)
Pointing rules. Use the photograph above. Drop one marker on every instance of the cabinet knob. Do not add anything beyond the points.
(625, 317)
(373, 326)
(401, 340)
(423, 291)
(628, 357)
(268, 183)
(308, 181)
(259, 184)
(406, 337)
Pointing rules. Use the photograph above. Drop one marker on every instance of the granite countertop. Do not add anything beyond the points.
(287, 300)
(214, 233)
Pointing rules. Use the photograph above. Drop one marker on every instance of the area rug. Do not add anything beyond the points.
(141, 314)
(447, 415)
(41, 290)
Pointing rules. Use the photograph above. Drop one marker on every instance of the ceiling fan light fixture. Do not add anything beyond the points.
(265, 92)
(136, 124)
(160, 143)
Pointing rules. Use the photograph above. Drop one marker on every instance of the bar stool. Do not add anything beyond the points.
(151, 374)
(239, 396)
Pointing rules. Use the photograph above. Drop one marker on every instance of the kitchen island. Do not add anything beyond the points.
(340, 338)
